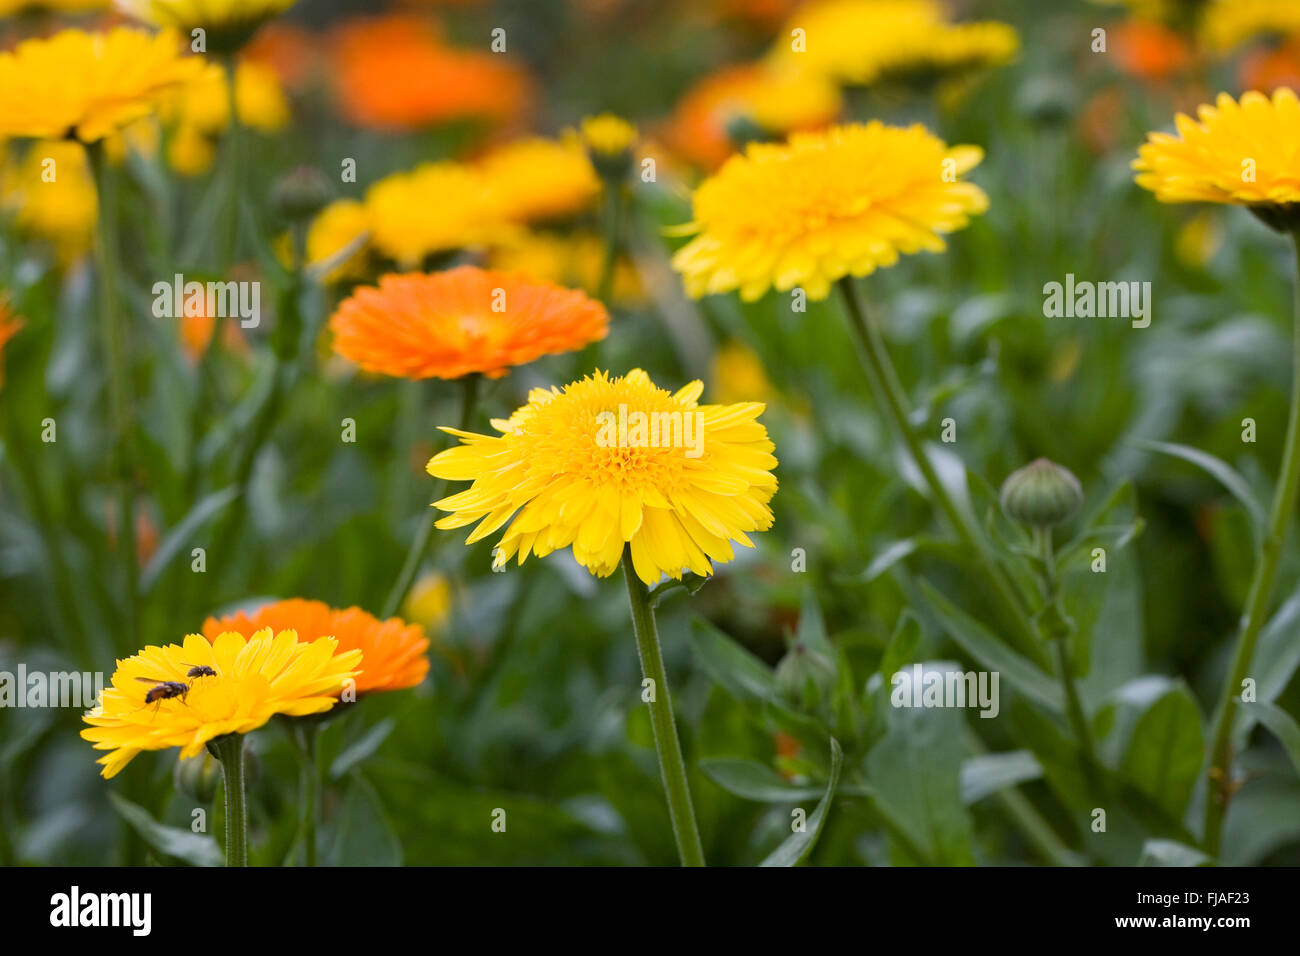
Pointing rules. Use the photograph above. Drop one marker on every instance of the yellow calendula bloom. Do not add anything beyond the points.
(200, 111)
(737, 372)
(228, 24)
(608, 463)
(1242, 153)
(339, 225)
(253, 680)
(51, 195)
(1226, 24)
(89, 85)
(575, 259)
(539, 179)
(437, 207)
(845, 201)
(866, 41)
(607, 134)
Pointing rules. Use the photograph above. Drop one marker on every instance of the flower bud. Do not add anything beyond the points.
(1041, 494)
(300, 194)
(805, 677)
(197, 777)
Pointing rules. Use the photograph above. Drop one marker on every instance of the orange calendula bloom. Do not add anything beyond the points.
(465, 320)
(392, 651)
(395, 72)
(244, 683)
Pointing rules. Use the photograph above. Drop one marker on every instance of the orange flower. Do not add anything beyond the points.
(288, 50)
(395, 72)
(9, 326)
(1150, 51)
(392, 651)
(1268, 68)
(450, 324)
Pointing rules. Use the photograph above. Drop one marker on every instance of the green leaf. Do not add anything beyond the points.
(1218, 469)
(754, 781)
(183, 533)
(357, 751)
(1275, 663)
(1165, 748)
(1282, 725)
(914, 773)
(743, 675)
(198, 849)
(363, 836)
(986, 774)
(1171, 853)
(798, 845)
(901, 649)
(987, 650)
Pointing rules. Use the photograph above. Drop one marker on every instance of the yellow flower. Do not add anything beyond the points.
(339, 225)
(865, 41)
(825, 205)
(738, 373)
(614, 462)
(429, 602)
(1239, 153)
(607, 134)
(9, 8)
(540, 178)
(572, 260)
(1229, 23)
(437, 207)
(51, 195)
(228, 24)
(201, 110)
(255, 679)
(89, 84)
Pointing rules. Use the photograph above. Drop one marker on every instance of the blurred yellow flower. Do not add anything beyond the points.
(538, 179)
(866, 41)
(607, 134)
(9, 8)
(823, 206)
(228, 24)
(774, 101)
(337, 226)
(255, 679)
(201, 110)
(577, 468)
(429, 602)
(89, 85)
(437, 207)
(573, 260)
(1226, 24)
(738, 375)
(1239, 153)
(51, 195)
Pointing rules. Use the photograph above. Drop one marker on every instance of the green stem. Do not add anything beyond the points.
(304, 737)
(671, 766)
(875, 356)
(1257, 600)
(113, 330)
(229, 750)
(613, 228)
(1057, 630)
(420, 544)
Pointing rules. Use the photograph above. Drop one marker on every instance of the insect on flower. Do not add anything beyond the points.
(198, 670)
(163, 690)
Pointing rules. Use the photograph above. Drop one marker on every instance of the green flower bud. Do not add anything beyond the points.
(1041, 494)
(805, 677)
(197, 777)
(300, 194)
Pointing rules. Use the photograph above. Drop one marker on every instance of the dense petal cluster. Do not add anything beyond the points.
(1242, 153)
(843, 202)
(255, 679)
(90, 85)
(464, 320)
(393, 652)
(608, 463)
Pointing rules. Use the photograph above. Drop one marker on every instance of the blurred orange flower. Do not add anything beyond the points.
(395, 72)
(1149, 50)
(9, 326)
(392, 651)
(1271, 67)
(465, 320)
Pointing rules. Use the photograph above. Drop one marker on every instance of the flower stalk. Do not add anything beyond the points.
(304, 738)
(229, 750)
(420, 543)
(889, 390)
(1221, 786)
(672, 767)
